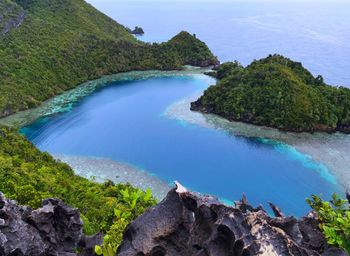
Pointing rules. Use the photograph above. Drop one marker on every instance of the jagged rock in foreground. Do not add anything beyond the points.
(54, 229)
(186, 223)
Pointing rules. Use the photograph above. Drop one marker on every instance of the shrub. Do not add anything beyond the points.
(334, 217)
(137, 201)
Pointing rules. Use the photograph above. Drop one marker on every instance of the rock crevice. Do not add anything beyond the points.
(186, 223)
(52, 230)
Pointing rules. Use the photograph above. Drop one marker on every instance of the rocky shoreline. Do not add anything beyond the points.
(197, 106)
(276, 92)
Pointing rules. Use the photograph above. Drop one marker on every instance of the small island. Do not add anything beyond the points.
(279, 93)
(138, 31)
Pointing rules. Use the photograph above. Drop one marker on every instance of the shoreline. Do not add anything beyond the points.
(67, 100)
(330, 150)
(330, 131)
(311, 145)
(102, 169)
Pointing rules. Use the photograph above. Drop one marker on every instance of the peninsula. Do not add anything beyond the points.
(48, 47)
(277, 92)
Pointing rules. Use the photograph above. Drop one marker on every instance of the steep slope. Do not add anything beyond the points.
(29, 176)
(62, 43)
(277, 92)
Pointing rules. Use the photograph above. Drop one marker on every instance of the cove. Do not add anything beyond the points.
(126, 122)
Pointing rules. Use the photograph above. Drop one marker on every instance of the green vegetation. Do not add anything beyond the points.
(61, 44)
(122, 218)
(334, 217)
(11, 15)
(28, 176)
(277, 92)
(192, 51)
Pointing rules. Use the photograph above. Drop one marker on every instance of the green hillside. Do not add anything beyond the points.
(277, 92)
(29, 176)
(62, 43)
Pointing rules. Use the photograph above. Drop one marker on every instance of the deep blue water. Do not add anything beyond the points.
(126, 121)
(315, 33)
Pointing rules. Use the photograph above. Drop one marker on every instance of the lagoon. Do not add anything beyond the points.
(129, 122)
(141, 121)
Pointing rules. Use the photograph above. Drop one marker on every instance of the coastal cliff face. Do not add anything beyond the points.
(185, 223)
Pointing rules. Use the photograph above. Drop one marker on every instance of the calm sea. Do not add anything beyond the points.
(317, 34)
(126, 121)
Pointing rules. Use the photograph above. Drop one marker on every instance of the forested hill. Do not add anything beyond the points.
(277, 92)
(47, 47)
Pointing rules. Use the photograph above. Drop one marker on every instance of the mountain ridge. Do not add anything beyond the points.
(63, 43)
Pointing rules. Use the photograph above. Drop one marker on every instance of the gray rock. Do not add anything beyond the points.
(188, 224)
(11, 16)
(59, 225)
(87, 244)
(55, 229)
(334, 252)
(17, 236)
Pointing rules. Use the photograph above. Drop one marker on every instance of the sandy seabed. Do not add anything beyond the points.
(331, 151)
(102, 169)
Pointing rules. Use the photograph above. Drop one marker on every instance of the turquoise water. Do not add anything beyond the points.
(125, 121)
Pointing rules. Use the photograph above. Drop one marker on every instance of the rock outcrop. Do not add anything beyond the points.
(11, 16)
(136, 31)
(54, 229)
(186, 223)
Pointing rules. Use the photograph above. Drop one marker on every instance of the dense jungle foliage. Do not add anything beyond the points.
(277, 92)
(62, 43)
(28, 176)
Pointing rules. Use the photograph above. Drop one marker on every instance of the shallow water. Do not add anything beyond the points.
(147, 125)
(331, 150)
(128, 122)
